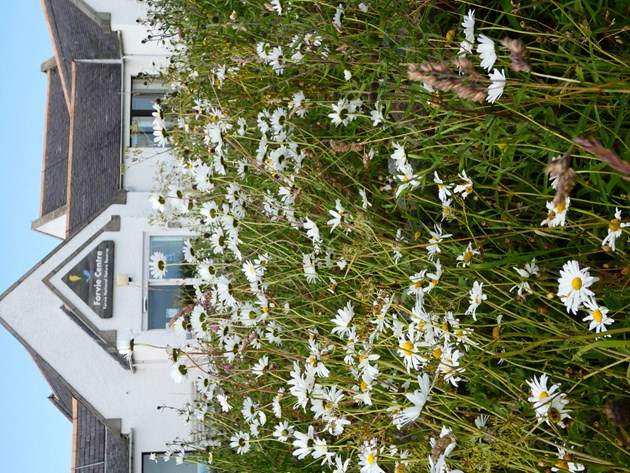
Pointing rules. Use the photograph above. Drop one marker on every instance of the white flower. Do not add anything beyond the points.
(309, 269)
(259, 367)
(251, 271)
(341, 114)
(465, 188)
(368, 458)
(436, 237)
(469, 26)
(548, 403)
(365, 203)
(223, 401)
(377, 114)
(338, 215)
(556, 215)
(466, 257)
(302, 442)
(337, 18)
(240, 442)
(614, 230)
(495, 90)
(476, 298)
(342, 320)
(485, 48)
(418, 398)
(444, 190)
(573, 286)
(157, 265)
(565, 464)
(277, 7)
(347, 75)
(598, 316)
(283, 431)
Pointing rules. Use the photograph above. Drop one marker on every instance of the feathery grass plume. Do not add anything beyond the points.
(467, 67)
(518, 54)
(565, 177)
(605, 154)
(438, 76)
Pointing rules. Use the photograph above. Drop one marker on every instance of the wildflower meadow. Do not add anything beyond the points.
(409, 227)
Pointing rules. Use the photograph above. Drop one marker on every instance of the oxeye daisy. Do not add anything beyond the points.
(157, 265)
(476, 298)
(565, 463)
(549, 404)
(557, 214)
(614, 230)
(466, 257)
(573, 286)
(240, 442)
(368, 458)
(465, 188)
(597, 316)
(495, 90)
(485, 48)
(283, 431)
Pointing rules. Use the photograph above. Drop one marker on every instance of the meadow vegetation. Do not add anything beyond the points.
(408, 249)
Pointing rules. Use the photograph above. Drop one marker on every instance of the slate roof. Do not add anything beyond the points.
(82, 150)
(77, 32)
(95, 144)
(95, 447)
(55, 165)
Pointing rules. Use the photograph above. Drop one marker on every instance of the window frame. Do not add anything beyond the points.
(149, 282)
(143, 88)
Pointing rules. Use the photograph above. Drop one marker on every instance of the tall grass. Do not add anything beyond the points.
(321, 300)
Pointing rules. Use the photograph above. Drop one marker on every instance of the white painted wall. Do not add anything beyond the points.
(33, 311)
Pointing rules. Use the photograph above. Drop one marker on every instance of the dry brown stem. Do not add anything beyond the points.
(566, 177)
(605, 154)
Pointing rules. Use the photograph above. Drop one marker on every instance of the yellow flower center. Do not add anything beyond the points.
(417, 234)
(421, 325)
(496, 332)
(543, 395)
(615, 225)
(419, 284)
(408, 348)
(561, 207)
(597, 315)
(437, 353)
(399, 468)
(562, 465)
(371, 459)
(554, 415)
(576, 284)
(551, 215)
(364, 386)
(468, 256)
(469, 188)
(445, 326)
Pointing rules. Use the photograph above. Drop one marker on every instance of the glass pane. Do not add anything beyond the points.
(142, 132)
(164, 302)
(144, 102)
(173, 249)
(160, 466)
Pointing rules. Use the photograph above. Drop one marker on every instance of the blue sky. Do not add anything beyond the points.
(30, 426)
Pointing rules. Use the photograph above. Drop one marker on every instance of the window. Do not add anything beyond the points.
(166, 296)
(160, 466)
(144, 95)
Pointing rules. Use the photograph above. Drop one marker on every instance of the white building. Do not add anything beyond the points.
(92, 292)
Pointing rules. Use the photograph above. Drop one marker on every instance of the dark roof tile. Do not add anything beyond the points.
(95, 141)
(55, 172)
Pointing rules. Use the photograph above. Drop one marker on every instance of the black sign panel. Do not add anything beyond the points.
(92, 279)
